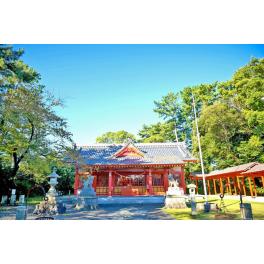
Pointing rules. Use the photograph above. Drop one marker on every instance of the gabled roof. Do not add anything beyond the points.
(152, 153)
(128, 150)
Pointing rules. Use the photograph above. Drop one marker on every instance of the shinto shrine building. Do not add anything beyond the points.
(245, 178)
(132, 169)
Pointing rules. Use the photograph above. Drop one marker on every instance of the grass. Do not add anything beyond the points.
(34, 200)
(31, 201)
(232, 211)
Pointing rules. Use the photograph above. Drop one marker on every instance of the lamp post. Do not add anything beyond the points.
(200, 149)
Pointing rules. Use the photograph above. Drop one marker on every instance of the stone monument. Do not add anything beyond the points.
(21, 199)
(13, 197)
(175, 195)
(192, 188)
(4, 200)
(21, 210)
(87, 196)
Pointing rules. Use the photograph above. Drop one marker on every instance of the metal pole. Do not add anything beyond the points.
(175, 130)
(200, 149)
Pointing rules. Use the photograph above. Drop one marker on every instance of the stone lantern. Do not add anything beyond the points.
(53, 182)
(192, 188)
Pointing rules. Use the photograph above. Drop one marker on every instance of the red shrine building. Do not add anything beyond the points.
(132, 169)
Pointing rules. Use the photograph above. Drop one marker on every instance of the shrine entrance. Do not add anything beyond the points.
(129, 185)
(132, 182)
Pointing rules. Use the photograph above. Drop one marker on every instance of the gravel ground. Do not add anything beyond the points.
(103, 212)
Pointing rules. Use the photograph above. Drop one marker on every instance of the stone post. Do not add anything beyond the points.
(13, 197)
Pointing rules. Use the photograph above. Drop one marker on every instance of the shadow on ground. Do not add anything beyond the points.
(103, 212)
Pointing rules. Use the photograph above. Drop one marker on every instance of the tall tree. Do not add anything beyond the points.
(169, 109)
(30, 127)
(160, 132)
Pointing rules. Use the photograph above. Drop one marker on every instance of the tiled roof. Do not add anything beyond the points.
(236, 169)
(239, 168)
(154, 153)
(257, 168)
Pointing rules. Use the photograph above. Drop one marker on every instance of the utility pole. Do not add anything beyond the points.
(200, 149)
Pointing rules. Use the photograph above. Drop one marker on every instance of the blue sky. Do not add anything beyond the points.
(112, 87)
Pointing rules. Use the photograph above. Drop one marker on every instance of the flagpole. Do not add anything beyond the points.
(200, 149)
(175, 130)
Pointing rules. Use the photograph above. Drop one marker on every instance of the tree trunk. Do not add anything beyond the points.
(16, 164)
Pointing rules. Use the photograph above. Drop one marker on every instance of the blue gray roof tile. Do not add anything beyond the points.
(154, 153)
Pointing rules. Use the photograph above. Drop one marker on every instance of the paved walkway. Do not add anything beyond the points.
(104, 212)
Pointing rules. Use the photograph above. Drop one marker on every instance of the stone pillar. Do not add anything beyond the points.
(4, 200)
(149, 182)
(13, 197)
(21, 199)
(110, 183)
(183, 185)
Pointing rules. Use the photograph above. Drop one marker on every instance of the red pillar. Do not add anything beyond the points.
(165, 180)
(150, 182)
(110, 184)
(76, 179)
(183, 185)
(95, 182)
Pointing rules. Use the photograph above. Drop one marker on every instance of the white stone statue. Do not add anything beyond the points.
(174, 188)
(175, 195)
(87, 197)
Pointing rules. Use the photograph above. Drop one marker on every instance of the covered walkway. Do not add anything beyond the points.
(246, 178)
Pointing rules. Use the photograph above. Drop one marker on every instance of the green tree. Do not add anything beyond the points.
(160, 132)
(232, 124)
(230, 116)
(32, 134)
(220, 129)
(169, 109)
(117, 137)
(66, 180)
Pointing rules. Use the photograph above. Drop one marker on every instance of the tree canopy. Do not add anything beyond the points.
(33, 137)
(230, 118)
(115, 137)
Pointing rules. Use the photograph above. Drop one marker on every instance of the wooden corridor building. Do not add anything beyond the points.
(246, 177)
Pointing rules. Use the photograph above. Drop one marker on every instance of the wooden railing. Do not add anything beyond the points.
(117, 190)
(102, 190)
(158, 190)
